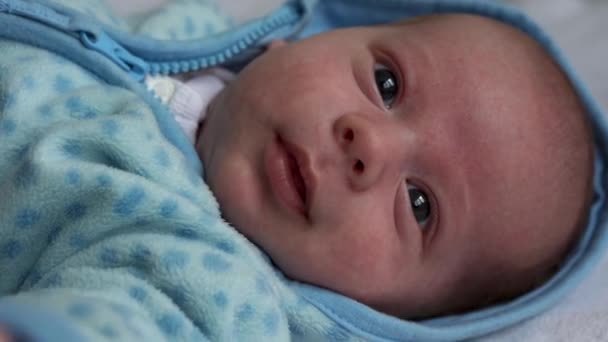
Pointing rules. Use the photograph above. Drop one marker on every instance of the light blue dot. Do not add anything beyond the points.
(7, 126)
(78, 110)
(75, 210)
(226, 246)
(168, 208)
(186, 233)
(72, 148)
(141, 254)
(80, 310)
(12, 249)
(78, 241)
(271, 322)
(45, 111)
(161, 158)
(72, 177)
(245, 312)
(220, 299)
(170, 324)
(173, 260)
(104, 180)
(85, 113)
(109, 257)
(26, 175)
(62, 84)
(27, 217)
(127, 204)
(73, 103)
(109, 128)
(215, 262)
(108, 331)
(138, 293)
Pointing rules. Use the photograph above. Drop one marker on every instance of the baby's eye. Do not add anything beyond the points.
(421, 206)
(387, 83)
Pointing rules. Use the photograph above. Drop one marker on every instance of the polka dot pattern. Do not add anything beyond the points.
(27, 217)
(11, 249)
(127, 204)
(72, 177)
(174, 260)
(138, 293)
(168, 208)
(170, 324)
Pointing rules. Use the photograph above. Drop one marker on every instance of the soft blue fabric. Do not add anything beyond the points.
(106, 224)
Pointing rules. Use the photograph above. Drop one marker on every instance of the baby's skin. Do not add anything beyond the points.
(409, 166)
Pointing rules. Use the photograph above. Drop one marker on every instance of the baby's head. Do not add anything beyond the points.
(421, 168)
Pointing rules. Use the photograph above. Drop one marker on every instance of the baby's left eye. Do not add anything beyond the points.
(387, 83)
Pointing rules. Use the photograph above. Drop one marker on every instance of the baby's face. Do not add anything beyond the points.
(384, 163)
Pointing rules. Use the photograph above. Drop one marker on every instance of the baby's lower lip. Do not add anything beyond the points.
(278, 167)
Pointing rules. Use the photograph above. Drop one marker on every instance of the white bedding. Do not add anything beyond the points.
(580, 28)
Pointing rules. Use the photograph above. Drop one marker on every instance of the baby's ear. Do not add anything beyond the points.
(275, 44)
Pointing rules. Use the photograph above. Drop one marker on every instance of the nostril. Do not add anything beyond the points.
(348, 135)
(359, 167)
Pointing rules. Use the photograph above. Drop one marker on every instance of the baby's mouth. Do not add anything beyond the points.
(286, 177)
(297, 178)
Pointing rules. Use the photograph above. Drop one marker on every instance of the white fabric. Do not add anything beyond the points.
(188, 96)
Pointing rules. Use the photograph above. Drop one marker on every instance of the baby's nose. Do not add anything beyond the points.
(364, 149)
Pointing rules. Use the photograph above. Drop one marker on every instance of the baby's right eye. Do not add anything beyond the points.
(387, 84)
(421, 205)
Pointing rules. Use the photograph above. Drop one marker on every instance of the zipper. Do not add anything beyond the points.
(286, 16)
(102, 43)
(98, 40)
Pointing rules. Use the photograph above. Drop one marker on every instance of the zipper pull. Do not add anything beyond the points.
(102, 43)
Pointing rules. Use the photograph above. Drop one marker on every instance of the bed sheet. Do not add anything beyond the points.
(580, 28)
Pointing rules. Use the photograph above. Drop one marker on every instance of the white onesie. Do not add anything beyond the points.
(189, 95)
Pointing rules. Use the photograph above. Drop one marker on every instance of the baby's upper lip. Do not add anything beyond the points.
(303, 160)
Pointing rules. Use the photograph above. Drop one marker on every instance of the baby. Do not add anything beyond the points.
(424, 167)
